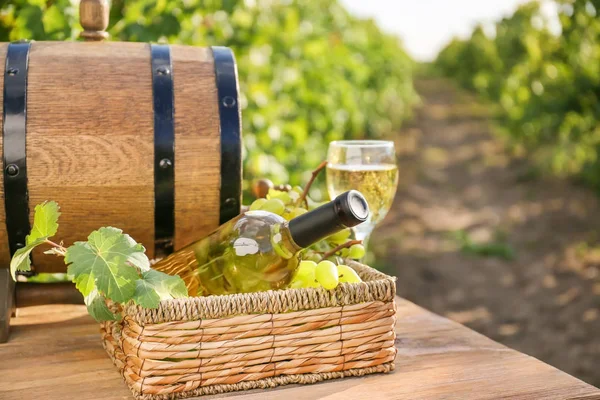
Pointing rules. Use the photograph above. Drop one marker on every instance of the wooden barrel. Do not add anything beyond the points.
(141, 137)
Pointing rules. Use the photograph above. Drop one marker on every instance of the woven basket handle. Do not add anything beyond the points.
(93, 16)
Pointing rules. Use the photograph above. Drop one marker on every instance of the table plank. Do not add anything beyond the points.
(55, 353)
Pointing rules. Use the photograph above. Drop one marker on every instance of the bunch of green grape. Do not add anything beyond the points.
(325, 274)
(313, 271)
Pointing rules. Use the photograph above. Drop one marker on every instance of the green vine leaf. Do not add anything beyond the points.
(45, 221)
(167, 286)
(139, 258)
(107, 266)
(97, 308)
(104, 256)
(45, 225)
(20, 260)
(85, 283)
(145, 294)
(156, 286)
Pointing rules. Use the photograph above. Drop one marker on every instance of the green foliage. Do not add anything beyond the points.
(102, 259)
(107, 266)
(156, 286)
(497, 248)
(45, 277)
(309, 72)
(97, 308)
(547, 85)
(38, 19)
(45, 224)
(20, 260)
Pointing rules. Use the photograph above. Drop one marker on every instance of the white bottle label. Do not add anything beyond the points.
(245, 246)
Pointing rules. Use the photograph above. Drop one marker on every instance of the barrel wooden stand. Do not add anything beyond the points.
(7, 300)
(143, 137)
(24, 294)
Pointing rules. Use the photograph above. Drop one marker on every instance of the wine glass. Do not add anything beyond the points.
(368, 166)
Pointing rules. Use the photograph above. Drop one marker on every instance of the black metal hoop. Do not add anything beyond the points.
(231, 140)
(16, 197)
(164, 149)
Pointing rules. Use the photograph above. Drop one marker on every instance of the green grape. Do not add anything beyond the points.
(293, 213)
(278, 194)
(347, 274)
(339, 237)
(356, 252)
(273, 193)
(344, 252)
(312, 256)
(285, 197)
(306, 268)
(257, 204)
(275, 206)
(327, 275)
(295, 194)
(305, 274)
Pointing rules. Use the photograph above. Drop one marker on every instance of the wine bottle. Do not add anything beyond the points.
(259, 250)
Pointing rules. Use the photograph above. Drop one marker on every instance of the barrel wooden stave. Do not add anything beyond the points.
(90, 141)
(197, 144)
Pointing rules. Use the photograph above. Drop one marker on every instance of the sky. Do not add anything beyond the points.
(425, 26)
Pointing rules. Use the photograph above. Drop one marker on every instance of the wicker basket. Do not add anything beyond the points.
(207, 345)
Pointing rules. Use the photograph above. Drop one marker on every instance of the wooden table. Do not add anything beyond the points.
(55, 353)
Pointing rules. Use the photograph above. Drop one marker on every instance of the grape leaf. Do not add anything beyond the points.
(104, 256)
(145, 294)
(45, 221)
(139, 258)
(167, 286)
(45, 224)
(97, 308)
(156, 286)
(177, 287)
(20, 260)
(85, 283)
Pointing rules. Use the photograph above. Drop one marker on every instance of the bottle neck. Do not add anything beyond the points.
(282, 241)
(345, 211)
(317, 224)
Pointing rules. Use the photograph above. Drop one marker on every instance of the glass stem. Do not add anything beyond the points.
(363, 233)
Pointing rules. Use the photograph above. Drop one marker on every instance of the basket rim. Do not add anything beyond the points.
(376, 286)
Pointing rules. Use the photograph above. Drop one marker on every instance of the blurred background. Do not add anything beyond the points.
(493, 106)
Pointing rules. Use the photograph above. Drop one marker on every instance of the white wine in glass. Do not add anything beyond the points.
(368, 166)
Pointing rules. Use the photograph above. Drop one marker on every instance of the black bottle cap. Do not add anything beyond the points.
(345, 211)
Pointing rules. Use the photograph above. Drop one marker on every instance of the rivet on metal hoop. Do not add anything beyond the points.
(12, 170)
(165, 163)
(163, 71)
(228, 101)
(230, 202)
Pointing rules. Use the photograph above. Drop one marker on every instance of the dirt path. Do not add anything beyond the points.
(464, 208)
